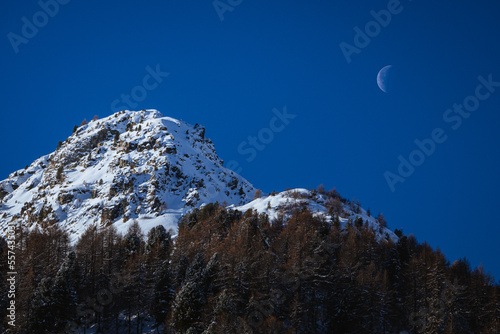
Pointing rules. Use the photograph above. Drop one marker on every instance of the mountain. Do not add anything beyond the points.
(138, 165)
(130, 165)
(320, 204)
(235, 260)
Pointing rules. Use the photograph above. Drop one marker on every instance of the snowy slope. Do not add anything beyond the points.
(140, 165)
(285, 202)
(130, 165)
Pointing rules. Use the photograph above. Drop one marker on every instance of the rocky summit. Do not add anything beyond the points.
(132, 165)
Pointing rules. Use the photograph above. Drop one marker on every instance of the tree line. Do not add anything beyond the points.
(232, 272)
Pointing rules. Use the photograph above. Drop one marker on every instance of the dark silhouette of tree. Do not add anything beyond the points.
(163, 293)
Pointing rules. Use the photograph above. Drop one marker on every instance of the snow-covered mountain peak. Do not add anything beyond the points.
(140, 165)
(130, 165)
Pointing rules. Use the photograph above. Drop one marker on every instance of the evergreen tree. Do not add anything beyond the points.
(493, 325)
(42, 309)
(163, 293)
(135, 277)
(191, 297)
(479, 298)
(64, 292)
(436, 287)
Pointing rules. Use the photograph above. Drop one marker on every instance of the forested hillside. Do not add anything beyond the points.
(229, 271)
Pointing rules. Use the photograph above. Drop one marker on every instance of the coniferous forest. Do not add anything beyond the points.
(232, 272)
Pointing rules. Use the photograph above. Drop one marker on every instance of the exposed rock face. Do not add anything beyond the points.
(130, 165)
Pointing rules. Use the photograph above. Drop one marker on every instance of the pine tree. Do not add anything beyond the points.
(493, 325)
(478, 299)
(163, 293)
(158, 277)
(191, 297)
(436, 285)
(158, 245)
(42, 309)
(456, 298)
(133, 239)
(64, 292)
(456, 309)
(135, 278)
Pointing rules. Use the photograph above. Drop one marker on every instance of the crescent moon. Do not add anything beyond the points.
(382, 78)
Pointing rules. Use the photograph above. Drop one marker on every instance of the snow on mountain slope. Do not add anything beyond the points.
(130, 165)
(285, 202)
(140, 165)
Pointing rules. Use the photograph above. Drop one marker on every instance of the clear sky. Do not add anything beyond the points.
(230, 66)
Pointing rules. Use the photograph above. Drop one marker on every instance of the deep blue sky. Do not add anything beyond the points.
(229, 75)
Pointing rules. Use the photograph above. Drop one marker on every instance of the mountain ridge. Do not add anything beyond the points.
(130, 165)
(142, 166)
